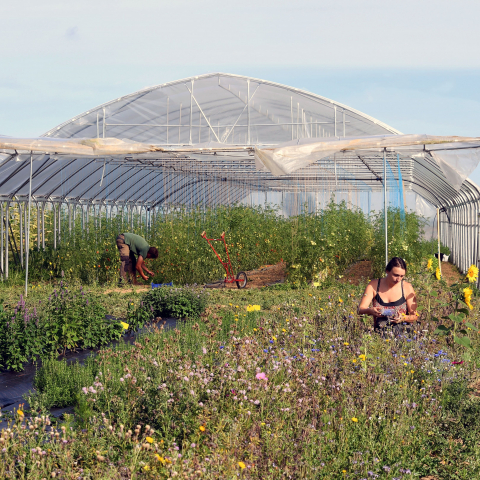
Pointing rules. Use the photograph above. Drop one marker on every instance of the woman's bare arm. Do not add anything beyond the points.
(363, 308)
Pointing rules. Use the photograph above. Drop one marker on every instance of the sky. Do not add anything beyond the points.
(412, 64)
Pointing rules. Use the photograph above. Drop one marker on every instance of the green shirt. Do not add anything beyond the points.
(137, 244)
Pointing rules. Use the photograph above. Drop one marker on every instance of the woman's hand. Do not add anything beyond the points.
(375, 312)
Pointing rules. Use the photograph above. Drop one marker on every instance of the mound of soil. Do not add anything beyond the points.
(358, 273)
(263, 276)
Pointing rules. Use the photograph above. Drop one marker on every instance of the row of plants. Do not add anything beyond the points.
(68, 318)
(314, 246)
(74, 318)
(274, 383)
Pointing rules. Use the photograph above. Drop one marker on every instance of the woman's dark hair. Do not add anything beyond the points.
(396, 262)
(153, 252)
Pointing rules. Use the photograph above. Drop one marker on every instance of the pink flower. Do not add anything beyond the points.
(261, 376)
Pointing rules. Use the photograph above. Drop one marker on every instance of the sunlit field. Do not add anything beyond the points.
(284, 381)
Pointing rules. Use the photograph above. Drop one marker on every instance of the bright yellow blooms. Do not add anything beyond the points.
(472, 274)
(253, 308)
(438, 275)
(468, 292)
(429, 265)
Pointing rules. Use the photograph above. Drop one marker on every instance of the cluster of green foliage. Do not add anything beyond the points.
(405, 240)
(324, 245)
(185, 302)
(67, 319)
(314, 246)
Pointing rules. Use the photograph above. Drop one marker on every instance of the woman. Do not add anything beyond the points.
(394, 300)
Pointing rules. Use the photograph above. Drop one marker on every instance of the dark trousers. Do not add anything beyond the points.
(127, 259)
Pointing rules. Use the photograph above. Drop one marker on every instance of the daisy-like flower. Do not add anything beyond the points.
(472, 274)
(429, 265)
(438, 275)
(468, 292)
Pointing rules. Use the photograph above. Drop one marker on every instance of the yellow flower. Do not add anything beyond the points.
(283, 330)
(274, 339)
(472, 274)
(354, 419)
(346, 344)
(362, 357)
(159, 458)
(354, 360)
(467, 292)
(201, 428)
(146, 468)
(340, 300)
(438, 275)
(20, 413)
(241, 465)
(429, 264)
(124, 325)
(149, 439)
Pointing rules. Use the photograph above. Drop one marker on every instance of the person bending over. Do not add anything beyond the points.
(130, 245)
(394, 303)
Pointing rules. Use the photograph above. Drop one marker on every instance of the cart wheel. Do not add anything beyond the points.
(241, 280)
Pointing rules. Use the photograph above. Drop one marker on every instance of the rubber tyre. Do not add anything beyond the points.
(241, 280)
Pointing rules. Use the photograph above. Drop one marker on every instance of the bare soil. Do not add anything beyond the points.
(450, 273)
(358, 273)
(263, 276)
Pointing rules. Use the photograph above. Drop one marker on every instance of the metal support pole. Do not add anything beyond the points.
(438, 241)
(38, 227)
(43, 225)
(385, 203)
(27, 227)
(335, 120)
(1, 241)
(54, 226)
(59, 223)
(248, 112)
(27, 232)
(191, 113)
(104, 126)
(69, 219)
(20, 228)
(7, 219)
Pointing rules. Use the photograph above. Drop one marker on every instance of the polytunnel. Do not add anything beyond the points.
(222, 139)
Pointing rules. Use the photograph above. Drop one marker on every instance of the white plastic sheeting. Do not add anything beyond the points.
(457, 159)
(87, 147)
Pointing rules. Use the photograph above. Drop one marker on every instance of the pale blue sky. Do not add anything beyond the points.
(412, 64)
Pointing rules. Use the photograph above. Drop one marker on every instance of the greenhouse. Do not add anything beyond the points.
(260, 219)
(222, 139)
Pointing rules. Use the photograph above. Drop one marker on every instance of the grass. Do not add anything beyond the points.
(298, 387)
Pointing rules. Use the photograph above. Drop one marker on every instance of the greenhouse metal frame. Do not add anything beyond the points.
(201, 141)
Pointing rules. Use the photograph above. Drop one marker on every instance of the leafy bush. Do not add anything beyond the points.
(328, 242)
(21, 336)
(73, 319)
(68, 319)
(404, 239)
(186, 302)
